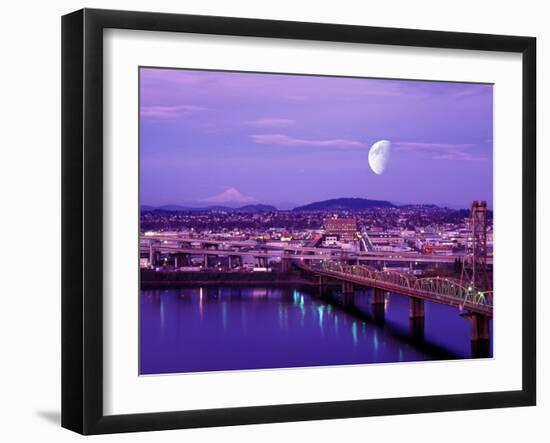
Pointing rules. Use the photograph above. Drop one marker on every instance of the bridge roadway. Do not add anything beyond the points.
(290, 251)
(434, 289)
(173, 249)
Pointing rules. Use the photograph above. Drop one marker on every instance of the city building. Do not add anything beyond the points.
(343, 229)
(386, 238)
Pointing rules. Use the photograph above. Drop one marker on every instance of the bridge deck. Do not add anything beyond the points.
(459, 302)
(296, 253)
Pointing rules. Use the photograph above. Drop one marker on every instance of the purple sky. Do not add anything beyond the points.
(220, 137)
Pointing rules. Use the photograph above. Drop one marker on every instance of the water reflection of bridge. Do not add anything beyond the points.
(332, 302)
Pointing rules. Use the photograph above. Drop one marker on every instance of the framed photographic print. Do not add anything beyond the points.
(269, 221)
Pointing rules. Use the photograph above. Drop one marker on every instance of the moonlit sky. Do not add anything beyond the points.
(210, 137)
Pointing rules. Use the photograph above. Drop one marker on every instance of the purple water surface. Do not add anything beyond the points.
(224, 328)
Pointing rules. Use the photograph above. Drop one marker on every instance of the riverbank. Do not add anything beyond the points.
(153, 279)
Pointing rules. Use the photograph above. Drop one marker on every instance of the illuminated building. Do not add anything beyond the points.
(343, 228)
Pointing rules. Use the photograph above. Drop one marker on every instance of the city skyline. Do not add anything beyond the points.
(215, 138)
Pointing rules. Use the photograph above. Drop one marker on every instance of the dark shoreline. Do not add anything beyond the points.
(232, 283)
(167, 279)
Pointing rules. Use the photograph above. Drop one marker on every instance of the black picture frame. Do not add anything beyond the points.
(82, 219)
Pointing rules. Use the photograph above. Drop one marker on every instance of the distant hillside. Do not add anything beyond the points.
(248, 208)
(345, 204)
(416, 206)
(168, 208)
(257, 208)
(177, 208)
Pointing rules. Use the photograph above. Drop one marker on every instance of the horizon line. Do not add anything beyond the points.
(237, 205)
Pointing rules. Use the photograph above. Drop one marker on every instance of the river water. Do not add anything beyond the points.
(236, 328)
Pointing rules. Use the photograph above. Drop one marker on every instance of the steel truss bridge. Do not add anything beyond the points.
(441, 290)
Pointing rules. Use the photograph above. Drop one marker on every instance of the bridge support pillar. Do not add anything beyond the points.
(416, 328)
(229, 262)
(378, 296)
(378, 313)
(479, 327)
(156, 259)
(347, 287)
(151, 254)
(347, 299)
(378, 300)
(321, 281)
(154, 255)
(285, 265)
(416, 308)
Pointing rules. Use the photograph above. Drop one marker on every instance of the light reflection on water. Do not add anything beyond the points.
(212, 328)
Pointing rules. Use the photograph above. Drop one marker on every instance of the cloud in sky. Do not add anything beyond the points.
(170, 111)
(270, 122)
(441, 151)
(285, 140)
(230, 195)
